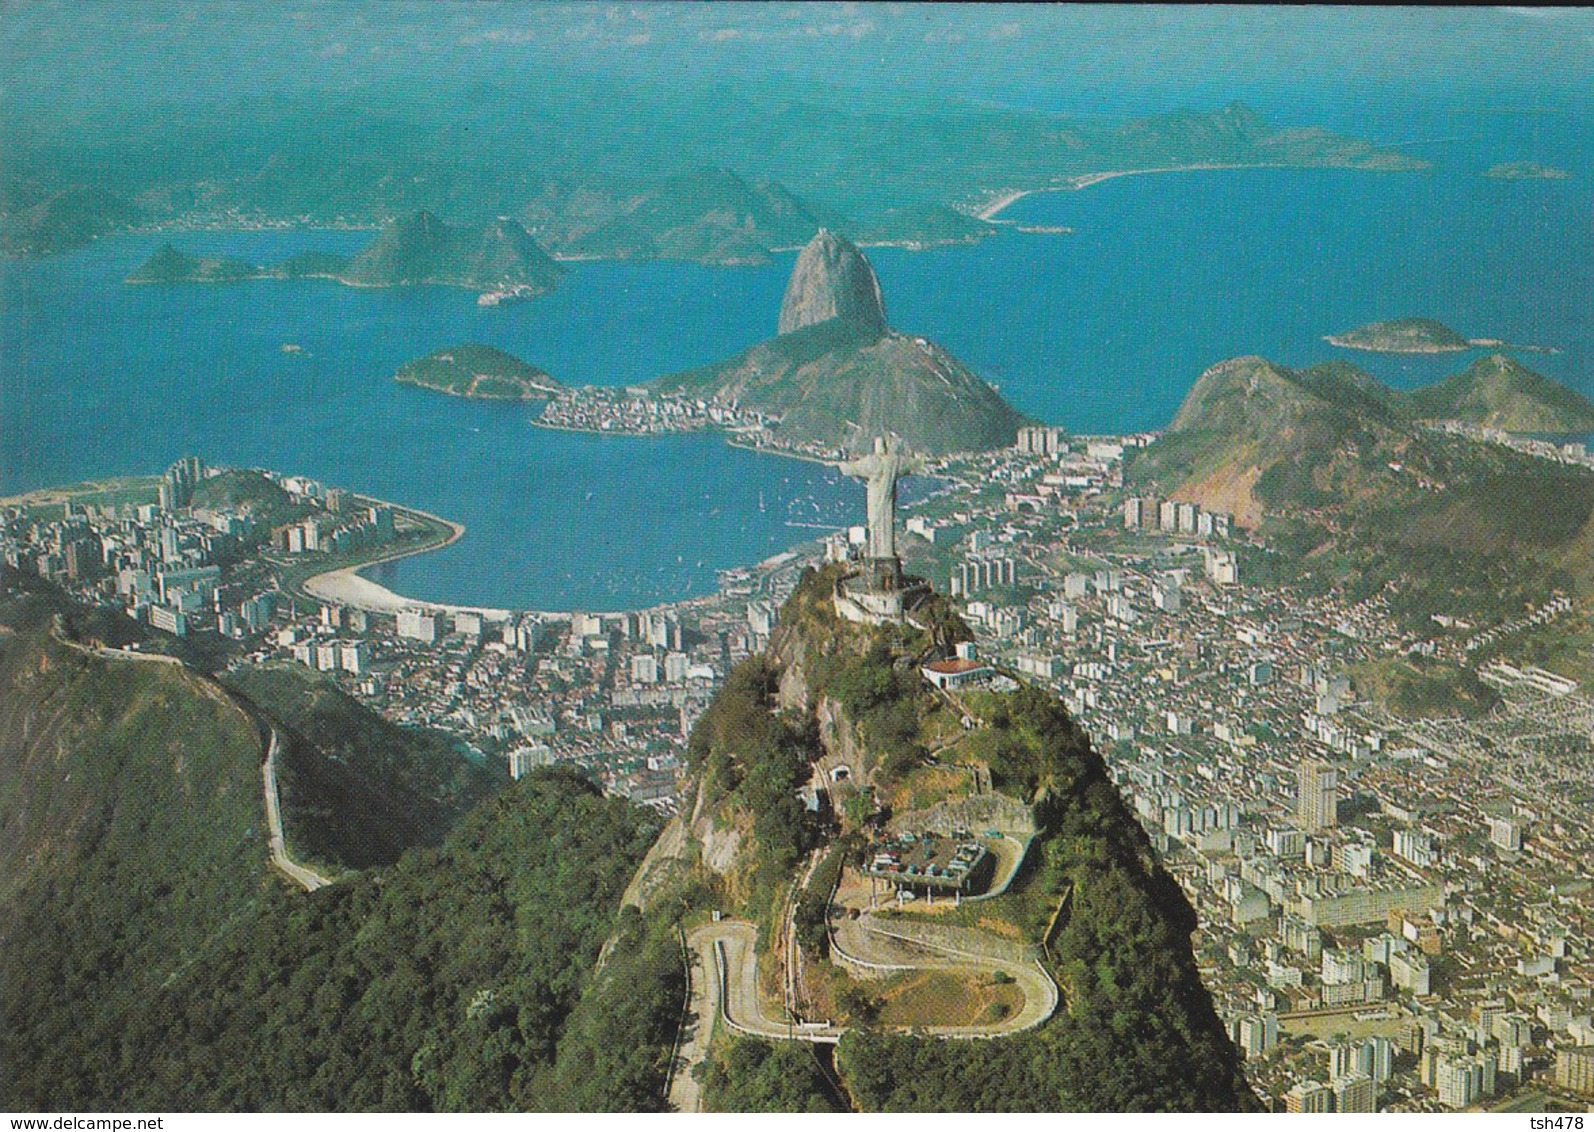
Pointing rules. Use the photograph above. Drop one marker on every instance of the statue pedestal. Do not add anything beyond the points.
(878, 594)
(879, 575)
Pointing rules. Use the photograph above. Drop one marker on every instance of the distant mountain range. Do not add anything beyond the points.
(589, 183)
(418, 249)
(709, 215)
(838, 375)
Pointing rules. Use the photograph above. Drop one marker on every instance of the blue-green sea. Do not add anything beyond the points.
(1100, 330)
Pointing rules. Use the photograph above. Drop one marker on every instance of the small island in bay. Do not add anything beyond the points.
(168, 265)
(1403, 336)
(1525, 171)
(500, 260)
(481, 372)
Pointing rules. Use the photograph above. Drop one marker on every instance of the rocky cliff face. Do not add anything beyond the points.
(837, 375)
(422, 249)
(832, 279)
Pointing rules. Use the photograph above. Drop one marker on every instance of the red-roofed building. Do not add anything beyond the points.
(957, 672)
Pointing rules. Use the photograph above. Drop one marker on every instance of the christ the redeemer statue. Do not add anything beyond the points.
(881, 470)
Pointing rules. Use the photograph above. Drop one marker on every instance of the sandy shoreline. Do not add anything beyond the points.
(1085, 180)
(347, 587)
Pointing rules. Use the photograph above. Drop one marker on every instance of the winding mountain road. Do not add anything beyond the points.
(727, 957)
(309, 879)
(885, 950)
(723, 977)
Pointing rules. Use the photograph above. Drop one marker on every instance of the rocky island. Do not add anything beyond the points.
(1525, 171)
(481, 372)
(500, 260)
(168, 265)
(1402, 336)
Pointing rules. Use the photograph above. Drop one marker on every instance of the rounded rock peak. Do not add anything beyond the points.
(831, 279)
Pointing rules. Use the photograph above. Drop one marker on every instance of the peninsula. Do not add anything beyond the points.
(834, 376)
(481, 372)
(168, 265)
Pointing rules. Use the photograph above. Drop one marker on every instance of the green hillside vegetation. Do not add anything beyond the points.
(753, 761)
(614, 1053)
(1419, 688)
(1499, 392)
(758, 1076)
(1137, 1029)
(1402, 336)
(263, 499)
(1333, 470)
(132, 841)
(248, 490)
(474, 370)
(1250, 418)
(447, 982)
(168, 265)
(1349, 388)
(151, 961)
(358, 790)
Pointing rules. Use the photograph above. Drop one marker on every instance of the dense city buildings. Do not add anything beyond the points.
(1318, 797)
(1393, 910)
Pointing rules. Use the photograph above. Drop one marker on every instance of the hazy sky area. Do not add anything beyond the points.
(1297, 64)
